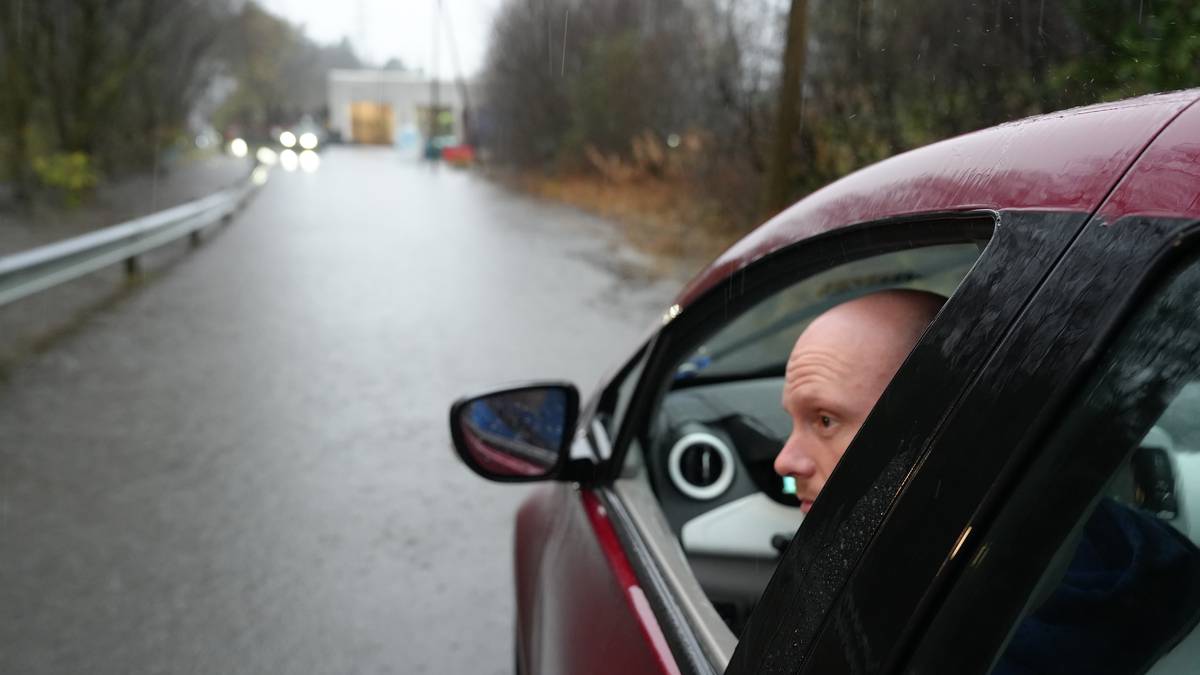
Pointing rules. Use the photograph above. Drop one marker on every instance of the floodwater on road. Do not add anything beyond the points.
(244, 465)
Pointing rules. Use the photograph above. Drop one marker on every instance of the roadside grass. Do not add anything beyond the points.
(680, 230)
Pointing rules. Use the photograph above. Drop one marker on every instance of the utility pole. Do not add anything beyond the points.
(467, 138)
(787, 115)
(433, 81)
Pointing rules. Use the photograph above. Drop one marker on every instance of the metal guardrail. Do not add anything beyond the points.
(23, 274)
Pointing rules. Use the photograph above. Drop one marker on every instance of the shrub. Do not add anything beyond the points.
(72, 174)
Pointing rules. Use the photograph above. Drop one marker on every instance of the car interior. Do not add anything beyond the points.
(710, 449)
(1161, 477)
(1133, 556)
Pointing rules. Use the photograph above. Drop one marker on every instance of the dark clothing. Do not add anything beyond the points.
(1132, 589)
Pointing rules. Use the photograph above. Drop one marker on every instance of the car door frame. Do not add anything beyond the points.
(1029, 242)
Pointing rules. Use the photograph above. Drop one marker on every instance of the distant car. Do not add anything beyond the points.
(459, 155)
(1063, 373)
(437, 145)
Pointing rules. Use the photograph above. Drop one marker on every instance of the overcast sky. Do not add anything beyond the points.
(382, 29)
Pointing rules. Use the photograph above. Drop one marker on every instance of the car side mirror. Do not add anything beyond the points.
(519, 434)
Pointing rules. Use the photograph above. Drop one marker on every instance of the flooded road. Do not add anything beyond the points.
(244, 466)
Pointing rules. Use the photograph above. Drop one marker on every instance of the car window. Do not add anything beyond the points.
(754, 342)
(613, 404)
(623, 391)
(1122, 593)
(708, 451)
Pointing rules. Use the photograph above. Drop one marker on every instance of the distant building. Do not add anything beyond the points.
(393, 107)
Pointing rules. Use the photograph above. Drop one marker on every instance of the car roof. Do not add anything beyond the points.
(1065, 161)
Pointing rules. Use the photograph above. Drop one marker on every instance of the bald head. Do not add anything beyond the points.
(879, 329)
(836, 372)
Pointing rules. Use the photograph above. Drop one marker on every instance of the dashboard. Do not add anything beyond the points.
(710, 462)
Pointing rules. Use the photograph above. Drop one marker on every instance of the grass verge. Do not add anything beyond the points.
(662, 218)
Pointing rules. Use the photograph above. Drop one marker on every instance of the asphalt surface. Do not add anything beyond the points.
(243, 465)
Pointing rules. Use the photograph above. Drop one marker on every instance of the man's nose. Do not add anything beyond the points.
(793, 461)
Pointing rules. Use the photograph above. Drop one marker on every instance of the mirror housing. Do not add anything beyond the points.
(516, 434)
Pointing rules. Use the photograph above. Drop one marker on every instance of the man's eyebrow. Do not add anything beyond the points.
(818, 400)
(823, 403)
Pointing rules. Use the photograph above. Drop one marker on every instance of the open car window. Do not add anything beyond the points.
(699, 476)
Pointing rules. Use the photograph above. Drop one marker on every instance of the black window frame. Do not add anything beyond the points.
(608, 402)
(1034, 498)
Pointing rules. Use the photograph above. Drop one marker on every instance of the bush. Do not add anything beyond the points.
(72, 174)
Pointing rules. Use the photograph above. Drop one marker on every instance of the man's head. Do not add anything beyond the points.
(836, 372)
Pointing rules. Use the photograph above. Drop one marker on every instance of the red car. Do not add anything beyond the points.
(1060, 382)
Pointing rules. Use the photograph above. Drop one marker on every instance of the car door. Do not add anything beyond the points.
(944, 567)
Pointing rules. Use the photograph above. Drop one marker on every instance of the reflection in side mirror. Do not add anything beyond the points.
(518, 434)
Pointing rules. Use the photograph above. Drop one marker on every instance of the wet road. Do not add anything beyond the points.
(244, 466)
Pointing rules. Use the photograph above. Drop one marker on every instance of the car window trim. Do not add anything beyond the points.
(714, 636)
(677, 626)
(608, 400)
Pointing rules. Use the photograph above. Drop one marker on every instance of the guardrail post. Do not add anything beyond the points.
(194, 238)
(132, 266)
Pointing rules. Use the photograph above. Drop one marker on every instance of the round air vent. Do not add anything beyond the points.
(700, 465)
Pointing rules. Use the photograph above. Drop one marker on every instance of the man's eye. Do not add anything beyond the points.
(825, 421)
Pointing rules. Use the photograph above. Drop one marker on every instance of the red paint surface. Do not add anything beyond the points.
(634, 595)
(579, 608)
(459, 154)
(1064, 161)
(1165, 180)
(536, 523)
